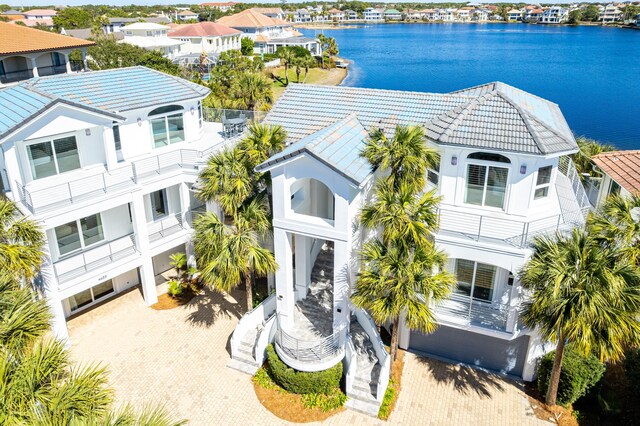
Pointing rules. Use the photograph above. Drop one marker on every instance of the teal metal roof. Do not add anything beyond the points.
(338, 146)
(493, 116)
(105, 92)
(120, 89)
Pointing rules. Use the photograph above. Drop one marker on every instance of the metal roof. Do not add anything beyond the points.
(494, 116)
(337, 146)
(104, 92)
(120, 89)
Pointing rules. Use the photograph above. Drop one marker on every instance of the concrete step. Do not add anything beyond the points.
(242, 366)
(362, 395)
(364, 407)
(245, 351)
(365, 385)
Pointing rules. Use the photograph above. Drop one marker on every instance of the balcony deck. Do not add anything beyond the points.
(465, 312)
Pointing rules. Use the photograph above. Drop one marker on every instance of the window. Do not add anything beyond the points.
(433, 174)
(159, 207)
(543, 182)
(87, 297)
(486, 185)
(53, 157)
(116, 137)
(475, 279)
(169, 128)
(79, 234)
(614, 189)
(487, 156)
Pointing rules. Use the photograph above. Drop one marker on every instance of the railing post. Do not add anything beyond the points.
(158, 162)
(479, 228)
(70, 194)
(135, 175)
(470, 306)
(104, 183)
(558, 224)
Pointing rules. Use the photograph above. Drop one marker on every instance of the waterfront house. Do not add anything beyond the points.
(533, 15)
(206, 37)
(514, 15)
(268, 33)
(554, 15)
(504, 176)
(480, 14)
(446, 15)
(619, 173)
(464, 14)
(638, 20)
(105, 161)
(221, 6)
(336, 15)
(429, 14)
(301, 16)
(186, 15)
(610, 14)
(27, 53)
(372, 14)
(150, 36)
(271, 12)
(392, 15)
(351, 15)
(115, 25)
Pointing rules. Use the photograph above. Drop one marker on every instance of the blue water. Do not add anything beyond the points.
(593, 73)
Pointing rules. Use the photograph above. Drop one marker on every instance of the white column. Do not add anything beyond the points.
(302, 272)
(109, 147)
(185, 205)
(285, 300)
(13, 170)
(340, 284)
(67, 63)
(514, 303)
(54, 302)
(147, 276)
(34, 67)
(84, 59)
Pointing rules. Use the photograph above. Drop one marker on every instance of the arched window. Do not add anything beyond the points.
(167, 125)
(486, 184)
(487, 156)
(312, 198)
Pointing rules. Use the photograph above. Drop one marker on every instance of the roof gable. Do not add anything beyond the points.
(203, 29)
(249, 18)
(16, 39)
(622, 166)
(337, 146)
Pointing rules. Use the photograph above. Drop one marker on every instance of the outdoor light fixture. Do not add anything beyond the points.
(454, 161)
(139, 121)
(523, 169)
(87, 132)
(193, 110)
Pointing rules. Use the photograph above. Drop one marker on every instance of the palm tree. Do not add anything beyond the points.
(582, 294)
(395, 281)
(226, 254)
(262, 141)
(299, 62)
(287, 56)
(617, 225)
(403, 214)
(21, 242)
(309, 62)
(252, 89)
(587, 149)
(38, 383)
(226, 180)
(406, 156)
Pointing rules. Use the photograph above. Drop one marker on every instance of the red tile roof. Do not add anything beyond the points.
(621, 166)
(249, 18)
(203, 29)
(16, 39)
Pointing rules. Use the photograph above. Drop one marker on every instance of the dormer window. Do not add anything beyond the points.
(486, 184)
(543, 182)
(53, 157)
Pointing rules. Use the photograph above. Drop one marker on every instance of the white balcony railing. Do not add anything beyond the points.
(74, 266)
(311, 351)
(166, 226)
(469, 312)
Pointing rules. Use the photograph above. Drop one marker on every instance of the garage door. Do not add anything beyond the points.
(505, 356)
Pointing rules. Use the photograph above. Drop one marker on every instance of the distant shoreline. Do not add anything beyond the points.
(355, 24)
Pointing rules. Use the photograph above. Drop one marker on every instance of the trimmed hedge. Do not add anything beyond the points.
(302, 382)
(577, 375)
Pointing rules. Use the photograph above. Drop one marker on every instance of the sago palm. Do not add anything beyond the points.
(581, 294)
(405, 156)
(21, 242)
(617, 225)
(403, 214)
(227, 254)
(396, 281)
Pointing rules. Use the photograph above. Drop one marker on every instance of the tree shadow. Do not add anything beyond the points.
(464, 379)
(211, 306)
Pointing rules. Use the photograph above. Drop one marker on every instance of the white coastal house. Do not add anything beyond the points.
(105, 161)
(610, 13)
(554, 15)
(221, 6)
(372, 14)
(514, 15)
(301, 16)
(206, 37)
(116, 25)
(186, 15)
(504, 177)
(26, 53)
(392, 15)
(271, 12)
(151, 36)
(268, 33)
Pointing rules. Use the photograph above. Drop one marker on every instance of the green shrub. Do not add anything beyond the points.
(387, 400)
(326, 403)
(632, 370)
(301, 381)
(175, 288)
(263, 379)
(577, 375)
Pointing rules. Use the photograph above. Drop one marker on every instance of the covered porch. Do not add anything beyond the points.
(14, 68)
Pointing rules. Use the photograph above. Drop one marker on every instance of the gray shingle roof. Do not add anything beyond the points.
(338, 146)
(493, 116)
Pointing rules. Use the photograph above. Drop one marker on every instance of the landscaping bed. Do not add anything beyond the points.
(167, 301)
(393, 390)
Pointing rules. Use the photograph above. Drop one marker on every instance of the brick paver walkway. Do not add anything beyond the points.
(178, 357)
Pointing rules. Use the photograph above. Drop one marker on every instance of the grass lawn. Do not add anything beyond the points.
(332, 77)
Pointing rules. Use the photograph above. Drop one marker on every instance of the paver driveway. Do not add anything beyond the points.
(179, 357)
